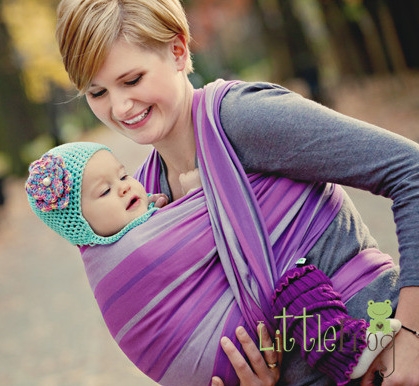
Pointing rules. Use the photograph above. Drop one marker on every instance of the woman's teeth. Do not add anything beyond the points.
(138, 118)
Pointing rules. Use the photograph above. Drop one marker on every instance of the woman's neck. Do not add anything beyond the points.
(178, 147)
(182, 160)
(178, 150)
(177, 164)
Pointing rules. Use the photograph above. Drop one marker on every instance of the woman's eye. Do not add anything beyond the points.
(134, 81)
(97, 94)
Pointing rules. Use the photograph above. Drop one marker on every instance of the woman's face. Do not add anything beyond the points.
(141, 93)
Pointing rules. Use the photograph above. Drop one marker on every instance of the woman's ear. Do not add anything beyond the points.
(180, 51)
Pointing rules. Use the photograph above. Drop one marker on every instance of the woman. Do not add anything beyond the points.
(131, 60)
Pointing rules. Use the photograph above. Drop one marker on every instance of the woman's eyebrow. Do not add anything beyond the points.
(125, 74)
(117, 79)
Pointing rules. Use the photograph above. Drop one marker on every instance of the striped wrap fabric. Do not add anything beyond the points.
(208, 262)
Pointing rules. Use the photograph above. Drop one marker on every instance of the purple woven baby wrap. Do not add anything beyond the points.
(207, 263)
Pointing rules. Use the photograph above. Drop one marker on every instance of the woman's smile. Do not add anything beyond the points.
(139, 120)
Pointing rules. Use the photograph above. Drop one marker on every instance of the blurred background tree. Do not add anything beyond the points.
(35, 93)
(319, 41)
(311, 46)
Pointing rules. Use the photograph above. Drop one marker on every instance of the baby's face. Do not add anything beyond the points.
(110, 199)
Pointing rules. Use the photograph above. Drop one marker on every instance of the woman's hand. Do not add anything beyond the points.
(259, 373)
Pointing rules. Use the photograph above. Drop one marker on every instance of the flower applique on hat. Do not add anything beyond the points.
(49, 183)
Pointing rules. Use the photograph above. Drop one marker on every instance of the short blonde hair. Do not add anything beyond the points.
(87, 29)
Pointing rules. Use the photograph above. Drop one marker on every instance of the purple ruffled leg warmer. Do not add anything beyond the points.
(329, 339)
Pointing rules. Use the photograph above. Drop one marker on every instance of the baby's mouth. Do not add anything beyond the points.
(133, 201)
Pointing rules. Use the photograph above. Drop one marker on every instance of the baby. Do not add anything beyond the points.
(83, 192)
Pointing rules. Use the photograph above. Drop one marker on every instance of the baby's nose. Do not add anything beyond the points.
(124, 188)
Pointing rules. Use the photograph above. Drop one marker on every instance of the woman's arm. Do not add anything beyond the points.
(275, 130)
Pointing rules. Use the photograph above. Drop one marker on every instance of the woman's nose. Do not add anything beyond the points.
(121, 106)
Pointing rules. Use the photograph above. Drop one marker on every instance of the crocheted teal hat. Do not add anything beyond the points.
(54, 193)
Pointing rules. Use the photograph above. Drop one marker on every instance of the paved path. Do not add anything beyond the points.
(51, 331)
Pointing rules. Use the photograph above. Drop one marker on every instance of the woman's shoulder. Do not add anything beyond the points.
(242, 89)
(253, 100)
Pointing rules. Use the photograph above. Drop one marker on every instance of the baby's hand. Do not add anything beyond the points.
(159, 199)
(190, 181)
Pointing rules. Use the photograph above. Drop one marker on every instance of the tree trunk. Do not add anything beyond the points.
(405, 14)
(347, 40)
(16, 112)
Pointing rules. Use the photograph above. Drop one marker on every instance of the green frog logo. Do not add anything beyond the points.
(379, 312)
